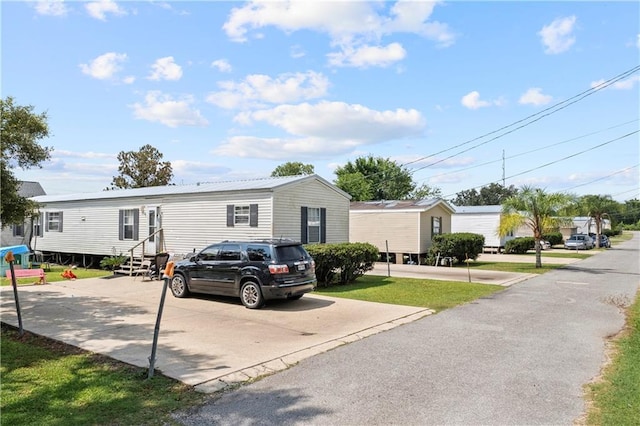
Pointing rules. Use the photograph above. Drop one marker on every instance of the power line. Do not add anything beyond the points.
(559, 160)
(603, 178)
(553, 145)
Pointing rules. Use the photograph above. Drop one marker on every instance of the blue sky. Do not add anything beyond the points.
(230, 90)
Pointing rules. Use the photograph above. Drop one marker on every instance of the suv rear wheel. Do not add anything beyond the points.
(251, 295)
(179, 286)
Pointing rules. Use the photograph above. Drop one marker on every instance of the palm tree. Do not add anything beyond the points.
(597, 207)
(536, 209)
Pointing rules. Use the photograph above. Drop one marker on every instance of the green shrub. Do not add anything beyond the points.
(519, 245)
(459, 246)
(112, 262)
(554, 238)
(342, 263)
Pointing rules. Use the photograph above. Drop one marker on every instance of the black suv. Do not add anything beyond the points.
(255, 271)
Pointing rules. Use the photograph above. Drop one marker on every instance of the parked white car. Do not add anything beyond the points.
(579, 242)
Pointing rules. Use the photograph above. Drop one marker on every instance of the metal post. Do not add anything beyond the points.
(9, 258)
(388, 267)
(168, 273)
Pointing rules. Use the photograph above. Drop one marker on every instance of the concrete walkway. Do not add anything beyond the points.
(207, 342)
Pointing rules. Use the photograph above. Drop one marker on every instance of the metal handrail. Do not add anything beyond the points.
(160, 233)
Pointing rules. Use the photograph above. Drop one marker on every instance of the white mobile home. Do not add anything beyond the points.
(404, 227)
(22, 233)
(483, 220)
(180, 219)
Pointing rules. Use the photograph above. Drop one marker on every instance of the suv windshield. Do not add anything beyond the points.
(285, 253)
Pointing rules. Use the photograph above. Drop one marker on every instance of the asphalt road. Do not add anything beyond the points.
(520, 356)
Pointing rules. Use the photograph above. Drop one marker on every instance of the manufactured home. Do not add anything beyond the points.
(403, 229)
(13, 234)
(483, 220)
(181, 219)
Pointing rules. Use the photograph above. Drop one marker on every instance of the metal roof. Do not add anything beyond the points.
(479, 209)
(419, 205)
(222, 186)
(29, 189)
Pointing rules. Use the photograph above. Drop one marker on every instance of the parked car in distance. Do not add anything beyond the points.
(578, 242)
(254, 271)
(604, 241)
(545, 245)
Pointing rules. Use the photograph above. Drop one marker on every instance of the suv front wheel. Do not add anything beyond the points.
(251, 295)
(179, 286)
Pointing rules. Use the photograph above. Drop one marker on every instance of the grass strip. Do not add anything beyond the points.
(616, 398)
(46, 382)
(54, 274)
(525, 268)
(433, 294)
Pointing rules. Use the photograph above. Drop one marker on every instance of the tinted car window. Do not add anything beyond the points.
(259, 253)
(285, 253)
(230, 252)
(210, 253)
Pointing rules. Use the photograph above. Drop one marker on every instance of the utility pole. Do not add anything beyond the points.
(503, 181)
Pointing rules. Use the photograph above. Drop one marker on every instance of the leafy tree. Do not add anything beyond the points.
(490, 195)
(293, 169)
(424, 191)
(536, 209)
(369, 178)
(21, 129)
(141, 169)
(597, 207)
(629, 213)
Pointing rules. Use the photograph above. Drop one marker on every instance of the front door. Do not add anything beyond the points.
(153, 221)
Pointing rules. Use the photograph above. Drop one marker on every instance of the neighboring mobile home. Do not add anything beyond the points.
(483, 220)
(13, 234)
(404, 227)
(181, 219)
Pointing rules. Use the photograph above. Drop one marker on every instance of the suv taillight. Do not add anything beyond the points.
(279, 269)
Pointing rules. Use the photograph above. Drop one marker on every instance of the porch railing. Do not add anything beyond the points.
(160, 247)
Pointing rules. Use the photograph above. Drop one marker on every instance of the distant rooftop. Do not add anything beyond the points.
(420, 205)
(478, 209)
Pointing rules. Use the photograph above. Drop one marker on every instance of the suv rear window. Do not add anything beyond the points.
(285, 253)
(259, 252)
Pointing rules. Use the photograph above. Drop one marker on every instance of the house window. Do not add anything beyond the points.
(313, 225)
(128, 222)
(54, 222)
(241, 215)
(37, 226)
(313, 222)
(18, 230)
(436, 225)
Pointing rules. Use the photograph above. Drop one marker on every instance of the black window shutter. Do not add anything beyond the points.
(253, 215)
(46, 222)
(323, 225)
(60, 223)
(121, 225)
(304, 238)
(431, 226)
(15, 228)
(440, 232)
(136, 223)
(230, 212)
(39, 220)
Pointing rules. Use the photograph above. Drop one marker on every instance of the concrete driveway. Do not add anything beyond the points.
(207, 342)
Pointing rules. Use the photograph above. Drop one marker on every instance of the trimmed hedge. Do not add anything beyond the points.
(519, 245)
(554, 238)
(342, 263)
(458, 245)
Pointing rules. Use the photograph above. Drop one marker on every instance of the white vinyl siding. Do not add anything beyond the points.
(288, 201)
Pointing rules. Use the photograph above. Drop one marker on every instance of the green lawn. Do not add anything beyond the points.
(569, 254)
(527, 268)
(48, 383)
(616, 398)
(433, 294)
(54, 274)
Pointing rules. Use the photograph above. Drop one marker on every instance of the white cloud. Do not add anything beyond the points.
(366, 56)
(165, 69)
(90, 154)
(258, 89)
(358, 20)
(626, 84)
(51, 7)
(322, 130)
(221, 65)
(100, 9)
(129, 79)
(297, 51)
(164, 109)
(557, 37)
(105, 66)
(472, 101)
(534, 96)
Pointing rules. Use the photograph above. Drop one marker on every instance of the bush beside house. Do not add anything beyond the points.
(458, 246)
(342, 263)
